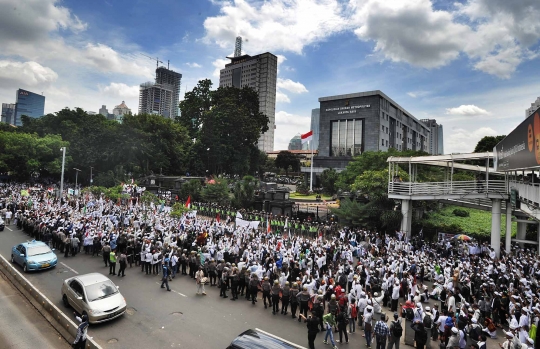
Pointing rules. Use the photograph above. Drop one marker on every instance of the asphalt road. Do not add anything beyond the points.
(178, 319)
(21, 325)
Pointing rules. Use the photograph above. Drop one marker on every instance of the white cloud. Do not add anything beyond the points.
(282, 97)
(121, 90)
(218, 65)
(418, 94)
(467, 110)
(464, 141)
(496, 35)
(25, 74)
(291, 86)
(194, 65)
(275, 25)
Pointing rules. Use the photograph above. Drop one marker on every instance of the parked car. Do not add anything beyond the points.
(94, 295)
(255, 339)
(33, 255)
(2, 224)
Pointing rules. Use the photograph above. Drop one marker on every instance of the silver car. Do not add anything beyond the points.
(95, 295)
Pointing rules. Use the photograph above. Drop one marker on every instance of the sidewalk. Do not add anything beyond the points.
(21, 325)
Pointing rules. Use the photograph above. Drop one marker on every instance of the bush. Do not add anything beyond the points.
(460, 213)
(302, 189)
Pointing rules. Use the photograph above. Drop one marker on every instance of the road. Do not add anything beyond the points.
(178, 319)
(21, 325)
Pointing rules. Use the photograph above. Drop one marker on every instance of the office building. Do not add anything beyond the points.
(162, 96)
(8, 111)
(295, 143)
(435, 146)
(366, 121)
(260, 73)
(315, 117)
(30, 104)
(533, 108)
(104, 111)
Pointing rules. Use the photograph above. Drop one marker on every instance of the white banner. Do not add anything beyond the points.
(247, 224)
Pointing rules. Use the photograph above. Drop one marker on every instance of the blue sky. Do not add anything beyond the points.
(471, 64)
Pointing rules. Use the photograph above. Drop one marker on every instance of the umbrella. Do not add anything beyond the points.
(463, 237)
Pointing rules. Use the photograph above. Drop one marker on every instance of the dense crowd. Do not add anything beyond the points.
(334, 279)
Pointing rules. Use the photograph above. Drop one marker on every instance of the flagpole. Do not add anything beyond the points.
(311, 173)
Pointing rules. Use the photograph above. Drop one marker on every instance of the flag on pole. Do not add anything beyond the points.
(188, 202)
(218, 218)
(306, 137)
(268, 227)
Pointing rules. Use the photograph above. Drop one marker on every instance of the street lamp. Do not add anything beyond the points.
(63, 149)
(91, 180)
(76, 177)
(208, 159)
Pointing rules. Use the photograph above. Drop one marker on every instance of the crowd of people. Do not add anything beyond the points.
(336, 280)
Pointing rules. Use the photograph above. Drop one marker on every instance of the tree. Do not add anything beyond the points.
(178, 210)
(192, 188)
(287, 160)
(244, 190)
(225, 126)
(328, 180)
(487, 143)
(217, 193)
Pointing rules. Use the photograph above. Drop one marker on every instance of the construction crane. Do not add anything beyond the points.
(152, 58)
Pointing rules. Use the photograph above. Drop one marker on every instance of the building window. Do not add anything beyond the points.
(346, 137)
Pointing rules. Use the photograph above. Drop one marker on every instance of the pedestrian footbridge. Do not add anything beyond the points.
(492, 190)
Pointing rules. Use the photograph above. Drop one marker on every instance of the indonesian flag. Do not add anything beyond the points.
(268, 227)
(306, 137)
(218, 218)
(188, 202)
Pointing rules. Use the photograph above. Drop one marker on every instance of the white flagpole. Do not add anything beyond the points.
(311, 173)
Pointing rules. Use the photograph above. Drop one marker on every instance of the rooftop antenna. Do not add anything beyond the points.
(238, 47)
(168, 61)
(152, 58)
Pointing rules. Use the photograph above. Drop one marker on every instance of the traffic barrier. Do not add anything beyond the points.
(63, 324)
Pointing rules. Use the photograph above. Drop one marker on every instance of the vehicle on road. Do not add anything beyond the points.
(33, 255)
(95, 295)
(255, 339)
(2, 224)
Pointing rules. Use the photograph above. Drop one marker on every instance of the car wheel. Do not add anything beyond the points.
(12, 259)
(25, 268)
(65, 301)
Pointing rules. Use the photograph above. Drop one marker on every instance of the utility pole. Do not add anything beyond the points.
(91, 180)
(63, 149)
(76, 178)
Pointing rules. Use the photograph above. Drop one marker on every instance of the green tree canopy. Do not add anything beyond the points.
(287, 161)
(244, 190)
(329, 178)
(487, 143)
(217, 193)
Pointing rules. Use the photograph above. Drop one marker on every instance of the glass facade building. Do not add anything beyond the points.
(30, 104)
(8, 110)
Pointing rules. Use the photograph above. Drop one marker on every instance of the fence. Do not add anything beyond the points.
(63, 324)
(462, 188)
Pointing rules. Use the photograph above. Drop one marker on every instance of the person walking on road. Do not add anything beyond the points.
(165, 279)
(199, 276)
(106, 250)
(122, 260)
(313, 329)
(381, 332)
(112, 263)
(80, 338)
(329, 322)
(396, 331)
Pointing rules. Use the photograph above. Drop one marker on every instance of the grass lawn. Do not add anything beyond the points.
(309, 197)
(478, 221)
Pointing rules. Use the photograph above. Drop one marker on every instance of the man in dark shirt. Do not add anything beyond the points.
(313, 329)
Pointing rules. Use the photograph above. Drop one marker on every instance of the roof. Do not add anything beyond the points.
(33, 243)
(92, 278)
(302, 151)
(122, 105)
(256, 338)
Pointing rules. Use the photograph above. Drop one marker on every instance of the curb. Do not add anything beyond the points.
(64, 325)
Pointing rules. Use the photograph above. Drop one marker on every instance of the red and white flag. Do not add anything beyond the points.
(188, 202)
(306, 137)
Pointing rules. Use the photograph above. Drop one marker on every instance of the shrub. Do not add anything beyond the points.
(460, 213)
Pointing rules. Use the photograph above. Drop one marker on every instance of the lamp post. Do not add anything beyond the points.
(76, 177)
(63, 149)
(208, 160)
(91, 180)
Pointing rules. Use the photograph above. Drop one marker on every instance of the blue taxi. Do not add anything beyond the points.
(33, 255)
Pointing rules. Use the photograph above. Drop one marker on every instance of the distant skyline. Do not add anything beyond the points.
(470, 64)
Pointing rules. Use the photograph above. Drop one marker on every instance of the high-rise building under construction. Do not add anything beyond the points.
(162, 96)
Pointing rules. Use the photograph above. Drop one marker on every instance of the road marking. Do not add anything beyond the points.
(284, 340)
(67, 266)
(9, 228)
(183, 295)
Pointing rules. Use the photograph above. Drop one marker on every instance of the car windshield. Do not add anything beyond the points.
(34, 251)
(101, 290)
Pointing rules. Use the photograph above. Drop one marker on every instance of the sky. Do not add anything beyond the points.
(473, 65)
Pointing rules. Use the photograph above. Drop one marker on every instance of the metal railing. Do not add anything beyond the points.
(462, 188)
(527, 191)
